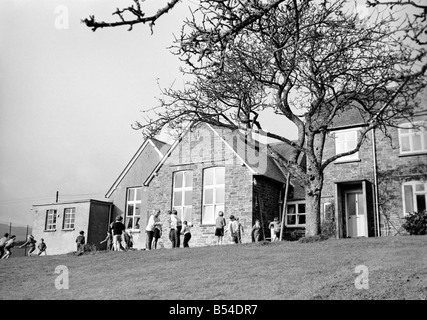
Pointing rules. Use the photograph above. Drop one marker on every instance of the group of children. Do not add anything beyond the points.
(236, 230)
(7, 243)
(177, 228)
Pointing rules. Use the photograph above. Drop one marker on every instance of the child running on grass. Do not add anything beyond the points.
(2, 243)
(31, 242)
(7, 246)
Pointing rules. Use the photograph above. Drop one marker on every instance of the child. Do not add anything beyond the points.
(32, 243)
(275, 225)
(2, 243)
(109, 241)
(157, 234)
(80, 240)
(220, 224)
(42, 247)
(241, 231)
(187, 234)
(256, 231)
(7, 246)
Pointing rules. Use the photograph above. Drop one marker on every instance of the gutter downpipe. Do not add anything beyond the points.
(285, 200)
(377, 209)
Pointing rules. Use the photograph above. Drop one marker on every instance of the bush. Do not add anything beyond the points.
(88, 248)
(328, 228)
(320, 237)
(416, 223)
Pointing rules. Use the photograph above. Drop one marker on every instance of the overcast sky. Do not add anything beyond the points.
(68, 98)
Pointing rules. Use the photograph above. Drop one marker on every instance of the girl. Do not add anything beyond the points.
(187, 234)
(256, 231)
(157, 234)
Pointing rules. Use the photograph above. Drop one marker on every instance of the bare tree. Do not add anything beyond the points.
(308, 61)
(416, 23)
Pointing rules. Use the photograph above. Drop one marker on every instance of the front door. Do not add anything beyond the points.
(355, 213)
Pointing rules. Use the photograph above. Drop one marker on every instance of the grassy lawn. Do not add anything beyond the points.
(281, 270)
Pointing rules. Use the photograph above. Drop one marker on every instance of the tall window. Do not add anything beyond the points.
(213, 193)
(414, 196)
(69, 216)
(295, 215)
(50, 219)
(183, 194)
(133, 208)
(346, 140)
(412, 140)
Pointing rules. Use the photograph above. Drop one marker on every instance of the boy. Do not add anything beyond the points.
(42, 247)
(275, 225)
(32, 243)
(233, 228)
(187, 234)
(219, 227)
(80, 240)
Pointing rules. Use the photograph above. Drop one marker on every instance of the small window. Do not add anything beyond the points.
(50, 220)
(412, 140)
(414, 197)
(69, 217)
(182, 197)
(295, 215)
(346, 140)
(213, 193)
(133, 208)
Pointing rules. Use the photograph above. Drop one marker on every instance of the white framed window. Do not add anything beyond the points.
(346, 140)
(412, 140)
(133, 208)
(182, 196)
(213, 193)
(69, 217)
(414, 196)
(50, 219)
(295, 214)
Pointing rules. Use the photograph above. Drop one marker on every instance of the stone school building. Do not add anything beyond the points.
(211, 169)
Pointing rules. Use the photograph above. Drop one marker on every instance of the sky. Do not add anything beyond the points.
(68, 97)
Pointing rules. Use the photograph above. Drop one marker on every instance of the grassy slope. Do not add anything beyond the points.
(324, 270)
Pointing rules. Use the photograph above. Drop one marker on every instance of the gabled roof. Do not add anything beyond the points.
(159, 146)
(246, 153)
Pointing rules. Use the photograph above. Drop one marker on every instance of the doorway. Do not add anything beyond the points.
(355, 214)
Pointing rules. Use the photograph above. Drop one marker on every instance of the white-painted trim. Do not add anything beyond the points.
(130, 164)
(162, 161)
(237, 155)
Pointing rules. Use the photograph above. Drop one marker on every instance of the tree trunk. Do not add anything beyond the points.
(313, 193)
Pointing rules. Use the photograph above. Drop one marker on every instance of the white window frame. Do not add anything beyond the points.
(183, 190)
(411, 133)
(217, 206)
(340, 133)
(69, 218)
(296, 214)
(133, 202)
(51, 217)
(413, 184)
